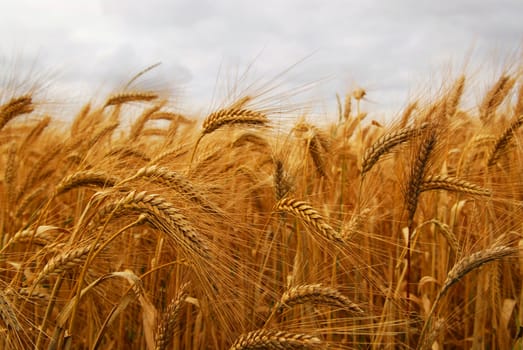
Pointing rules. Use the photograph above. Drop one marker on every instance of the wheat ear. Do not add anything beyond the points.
(355, 224)
(139, 124)
(63, 262)
(448, 183)
(417, 173)
(166, 327)
(126, 152)
(85, 178)
(495, 97)
(454, 97)
(460, 270)
(230, 116)
(518, 108)
(11, 170)
(35, 132)
(309, 216)
(317, 294)
(7, 312)
(177, 182)
(281, 180)
(451, 238)
(162, 215)
(268, 339)
(15, 107)
(386, 143)
(504, 140)
(131, 96)
(318, 147)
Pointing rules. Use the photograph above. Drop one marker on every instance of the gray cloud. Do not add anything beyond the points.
(387, 47)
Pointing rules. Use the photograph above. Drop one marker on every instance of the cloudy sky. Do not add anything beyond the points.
(390, 48)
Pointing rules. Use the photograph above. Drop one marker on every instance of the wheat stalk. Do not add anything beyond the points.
(317, 154)
(101, 133)
(518, 108)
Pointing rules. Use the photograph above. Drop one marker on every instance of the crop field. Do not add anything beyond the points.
(134, 226)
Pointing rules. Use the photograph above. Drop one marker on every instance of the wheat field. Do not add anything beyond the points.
(138, 227)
